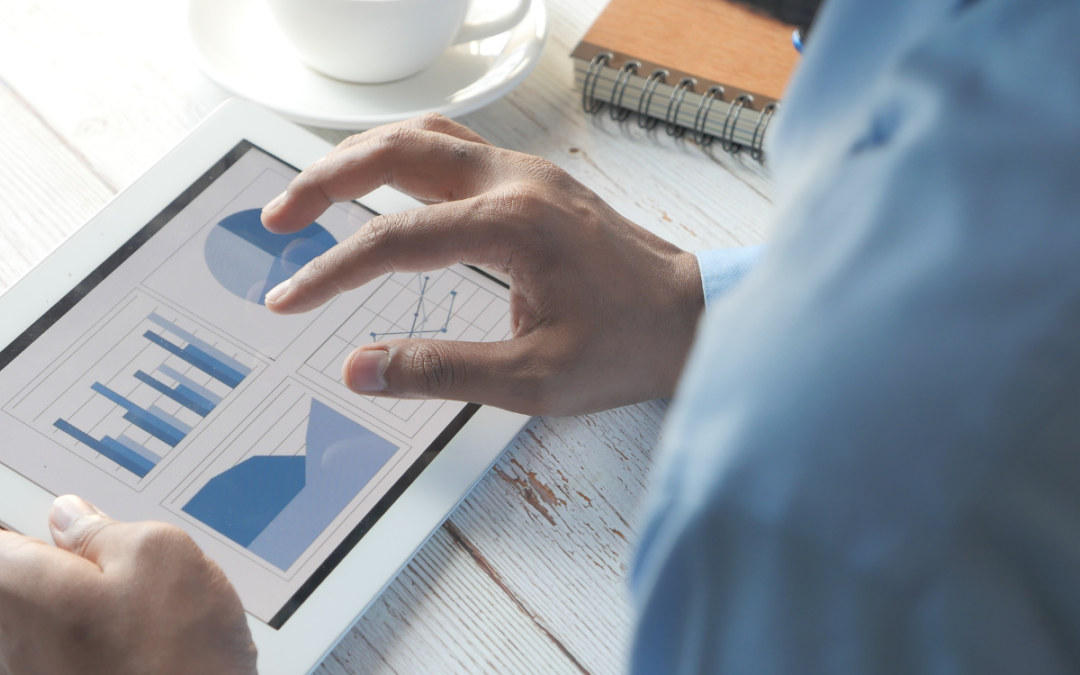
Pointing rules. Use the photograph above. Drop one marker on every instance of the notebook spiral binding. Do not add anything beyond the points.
(701, 118)
(616, 110)
(589, 103)
(737, 106)
(620, 111)
(644, 120)
(676, 100)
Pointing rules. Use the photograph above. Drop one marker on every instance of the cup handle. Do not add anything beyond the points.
(501, 24)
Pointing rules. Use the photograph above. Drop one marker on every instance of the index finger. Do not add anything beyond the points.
(424, 164)
(428, 238)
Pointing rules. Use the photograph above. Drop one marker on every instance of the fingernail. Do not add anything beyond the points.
(278, 291)
(365, 372)
(66, 509)
(275, 202)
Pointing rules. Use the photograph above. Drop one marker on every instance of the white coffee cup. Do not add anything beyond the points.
(381, 40)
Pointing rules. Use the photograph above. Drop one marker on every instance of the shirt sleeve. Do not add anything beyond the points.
(871, 462)
(723, 268)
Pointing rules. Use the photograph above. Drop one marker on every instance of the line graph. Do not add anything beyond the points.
(421, 309)
(449, 304)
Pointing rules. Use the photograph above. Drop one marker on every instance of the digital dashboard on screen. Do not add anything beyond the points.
(162, 388)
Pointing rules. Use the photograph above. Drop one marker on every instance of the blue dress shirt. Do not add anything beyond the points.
(723, 268)
(873, 462)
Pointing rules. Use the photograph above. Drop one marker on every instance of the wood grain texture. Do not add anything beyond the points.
(48, 189)
(529, 574)
(446, 614)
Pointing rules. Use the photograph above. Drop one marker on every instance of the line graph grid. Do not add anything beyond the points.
(443, 305)
(419, 326)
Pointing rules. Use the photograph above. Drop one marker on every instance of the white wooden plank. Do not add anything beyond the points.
(113, 77)
(443, 614)
(47, 190)
(566, 549)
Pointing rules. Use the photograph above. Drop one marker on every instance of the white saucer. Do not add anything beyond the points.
(238, 45)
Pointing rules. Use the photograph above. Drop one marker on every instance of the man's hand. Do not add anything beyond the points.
(116, 599)
(602, 311)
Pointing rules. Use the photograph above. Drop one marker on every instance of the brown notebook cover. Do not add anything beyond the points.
(716, 42)
(668, 59)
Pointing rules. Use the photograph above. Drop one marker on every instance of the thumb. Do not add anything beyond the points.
(76, 524)
(491, 373)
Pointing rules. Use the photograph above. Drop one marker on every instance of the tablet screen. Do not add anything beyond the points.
(161, 388)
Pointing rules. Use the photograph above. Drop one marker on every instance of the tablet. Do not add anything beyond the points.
(140, 369)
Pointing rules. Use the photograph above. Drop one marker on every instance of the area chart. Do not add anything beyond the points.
(277, 505)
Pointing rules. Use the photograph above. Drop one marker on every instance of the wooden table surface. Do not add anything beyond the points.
(529, 575)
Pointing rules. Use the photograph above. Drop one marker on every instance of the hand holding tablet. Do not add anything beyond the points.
(117, 598)
(187, 366)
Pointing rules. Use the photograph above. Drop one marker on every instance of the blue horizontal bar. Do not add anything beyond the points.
(189, 383)
(202, 364)
(154, 427)
(142, 418)
(195, 405)
(138, 449)
(174, 422)
(134, 457)
(207, 348)
(100, 448)
(208, 406)
(237, 376)
(114, 397)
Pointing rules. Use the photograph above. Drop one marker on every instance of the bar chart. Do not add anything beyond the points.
(285, 480)
(146, 393)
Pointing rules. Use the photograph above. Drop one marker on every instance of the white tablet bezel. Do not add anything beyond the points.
(339, 601)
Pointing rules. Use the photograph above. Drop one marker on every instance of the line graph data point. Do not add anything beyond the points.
(422, 314)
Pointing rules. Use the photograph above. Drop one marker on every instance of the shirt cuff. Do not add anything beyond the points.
(723, 268)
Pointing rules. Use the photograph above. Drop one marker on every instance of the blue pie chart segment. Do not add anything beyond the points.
(249, 260)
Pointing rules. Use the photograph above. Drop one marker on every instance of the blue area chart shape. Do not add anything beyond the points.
(249, 260)
(277, 506)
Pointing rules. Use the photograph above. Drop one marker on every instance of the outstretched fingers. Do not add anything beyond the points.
(428, 238)
(428, 165)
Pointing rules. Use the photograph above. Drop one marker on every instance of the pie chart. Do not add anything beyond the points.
(249, 260)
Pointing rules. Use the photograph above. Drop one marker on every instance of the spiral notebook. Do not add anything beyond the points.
(710, 68)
